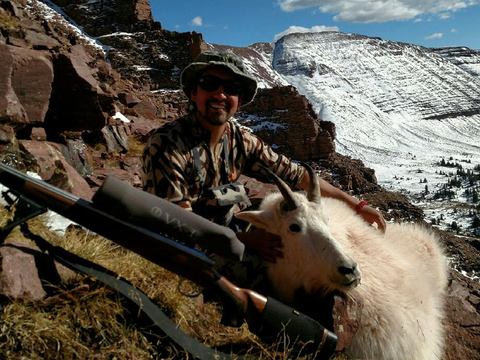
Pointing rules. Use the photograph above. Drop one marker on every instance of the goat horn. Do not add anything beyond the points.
(290, 201)
(313, 194)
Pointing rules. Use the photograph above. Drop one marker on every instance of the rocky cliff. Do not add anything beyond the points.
(103, 89)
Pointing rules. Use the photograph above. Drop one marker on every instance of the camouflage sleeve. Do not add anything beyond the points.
(164, 171)
(259, 153)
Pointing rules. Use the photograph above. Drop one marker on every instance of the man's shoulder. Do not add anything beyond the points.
(177, 125)
(172, 131)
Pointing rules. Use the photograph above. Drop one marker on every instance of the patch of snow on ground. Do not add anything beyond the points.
(121, 117)
(144, 68)
(255, 123)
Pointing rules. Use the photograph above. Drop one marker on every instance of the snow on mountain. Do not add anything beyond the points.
(382, 95)
(398, 107)
(467, 59)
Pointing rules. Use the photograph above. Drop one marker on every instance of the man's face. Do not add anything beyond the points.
(215, 96)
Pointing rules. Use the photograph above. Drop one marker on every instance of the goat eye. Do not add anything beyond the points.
(294, 228)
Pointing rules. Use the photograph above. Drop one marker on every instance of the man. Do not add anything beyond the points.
(195, 161)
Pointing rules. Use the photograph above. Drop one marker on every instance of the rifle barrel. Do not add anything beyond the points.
(265, 316)
(157, 248)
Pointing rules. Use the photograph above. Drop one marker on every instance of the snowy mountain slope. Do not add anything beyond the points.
(395, 77)
(466, 58)
(394, 105)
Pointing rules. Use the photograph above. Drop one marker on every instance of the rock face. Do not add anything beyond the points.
(26, 83)
(105, 17)
(281, 116)
(57, 86)
(153, 58)
(140, 50)
(74, 87)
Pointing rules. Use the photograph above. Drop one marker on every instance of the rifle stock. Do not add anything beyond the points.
(265, 316)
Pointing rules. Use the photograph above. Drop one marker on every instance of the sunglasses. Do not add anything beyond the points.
(212, 83)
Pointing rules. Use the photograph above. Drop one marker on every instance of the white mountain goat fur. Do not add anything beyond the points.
(401, 275)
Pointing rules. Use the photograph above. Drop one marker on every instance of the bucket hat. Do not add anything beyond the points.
(208, 59)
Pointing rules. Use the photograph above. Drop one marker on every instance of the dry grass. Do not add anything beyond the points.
(9, 22)
(136, 146)
(97, 325)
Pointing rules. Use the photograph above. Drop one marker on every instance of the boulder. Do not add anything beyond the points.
(7, 134)
(115, 138)
(140, 127)
(47, 160)
(32, 77)
(65, 177)
(40, 41)
(26, 78)
(26, 272)
(128, 99)
(77, 103)
(38, 133)
(292, 127)
(145, 109)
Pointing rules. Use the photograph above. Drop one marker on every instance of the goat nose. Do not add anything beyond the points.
(347, 270)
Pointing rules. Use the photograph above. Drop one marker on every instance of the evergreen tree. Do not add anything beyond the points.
(476, 222)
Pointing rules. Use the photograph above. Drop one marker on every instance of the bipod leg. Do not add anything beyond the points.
(25, 209)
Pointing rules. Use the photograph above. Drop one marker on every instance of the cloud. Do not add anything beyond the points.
(444, 16)
(377, 10)
(434, 36)
(300, 29)
(197, 21)
(454, 31)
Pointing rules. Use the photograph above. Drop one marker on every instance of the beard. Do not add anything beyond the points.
(215, 116)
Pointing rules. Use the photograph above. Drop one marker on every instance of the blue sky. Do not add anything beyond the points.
(430, 23)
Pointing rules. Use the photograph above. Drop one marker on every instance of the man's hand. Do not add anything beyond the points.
(265, 244)
(372, 215)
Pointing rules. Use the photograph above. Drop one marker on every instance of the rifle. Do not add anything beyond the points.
(138, 217)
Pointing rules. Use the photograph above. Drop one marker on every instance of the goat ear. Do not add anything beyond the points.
(258, 218)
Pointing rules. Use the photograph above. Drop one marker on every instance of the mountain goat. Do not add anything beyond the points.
(400, 276)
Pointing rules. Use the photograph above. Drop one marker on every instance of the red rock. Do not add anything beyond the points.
(49, 163)
(24, 267)
(299, 133)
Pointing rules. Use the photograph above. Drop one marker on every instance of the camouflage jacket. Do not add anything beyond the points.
(169, 169)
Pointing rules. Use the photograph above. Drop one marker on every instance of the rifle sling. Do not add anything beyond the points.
(121, 285)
